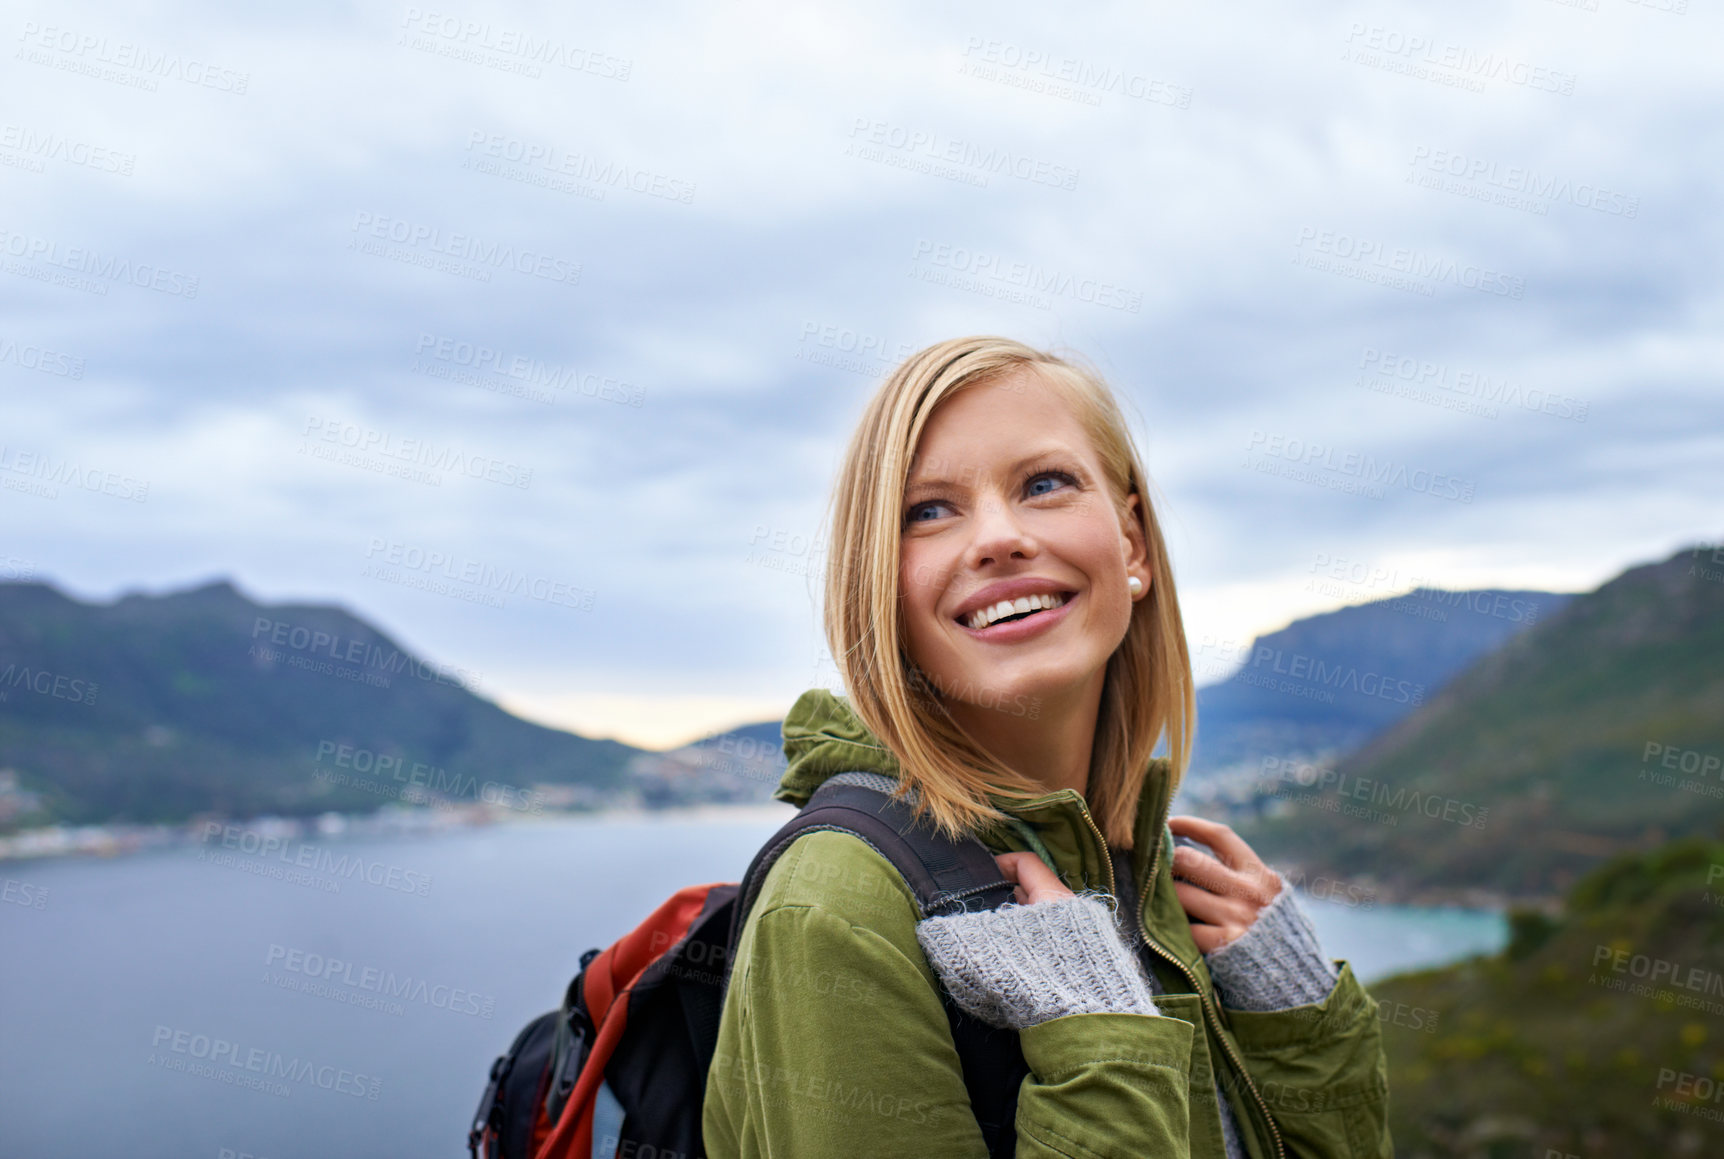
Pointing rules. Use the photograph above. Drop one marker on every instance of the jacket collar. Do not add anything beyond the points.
(823, 737)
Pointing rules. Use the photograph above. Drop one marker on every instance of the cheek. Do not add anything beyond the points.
(1094, 545)
(918, 594)
(1113, 619)
(1099, 553)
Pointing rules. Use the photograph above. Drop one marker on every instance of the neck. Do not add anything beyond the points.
(1052, 747)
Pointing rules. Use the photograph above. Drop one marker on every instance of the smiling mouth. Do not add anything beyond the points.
(1007, 611)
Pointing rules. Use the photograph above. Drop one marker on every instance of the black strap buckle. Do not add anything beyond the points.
(485, 1118)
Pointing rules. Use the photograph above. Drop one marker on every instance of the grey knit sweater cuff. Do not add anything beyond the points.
(1274, 965)
(1022, 965)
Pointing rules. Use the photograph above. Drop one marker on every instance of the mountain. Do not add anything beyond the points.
(764, 735)
(1598, 730)
(157, 708)
(739, 766)
(1593, 1033)
(1321, 685)
(1324, 684)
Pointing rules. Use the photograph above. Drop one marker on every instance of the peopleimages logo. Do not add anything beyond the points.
(1418, 56)
(40, 146)
(1694, 1094)
(109, 267)
(529, 371)
(870, 139)
(467, 247)
(346, 980)
(1692, 761)
(42, 682)
(205, 1055)
(530, 49)
(24, 893)
(315, 643)
(416, 452)
(1288, 774)
(589, 171)
(1373, 258)
(1340, 677)
(432, 779)
(1472, 384)
(483, 578)
(305, 856)
(1028, 276)
(854, 350)
(1660, 971)
(39, 465)
(1066, 77)
(1516, 186)
(1362, 469)
(40, 359)
(86, 52)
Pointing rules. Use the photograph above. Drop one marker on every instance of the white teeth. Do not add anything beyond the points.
(985, 616)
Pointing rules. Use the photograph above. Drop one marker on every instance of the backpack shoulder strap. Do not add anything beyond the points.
(947, 877)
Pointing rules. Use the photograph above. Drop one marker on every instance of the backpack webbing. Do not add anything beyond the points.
(947, 877)
(659, 983)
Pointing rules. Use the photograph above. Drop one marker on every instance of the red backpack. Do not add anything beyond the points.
(620, 1069)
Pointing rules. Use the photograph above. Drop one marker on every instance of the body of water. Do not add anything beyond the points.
(385, 974)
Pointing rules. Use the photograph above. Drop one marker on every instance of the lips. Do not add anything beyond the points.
(1021, 601)
(1011, 610)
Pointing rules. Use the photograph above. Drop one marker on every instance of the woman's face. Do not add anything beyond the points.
(1014, 561)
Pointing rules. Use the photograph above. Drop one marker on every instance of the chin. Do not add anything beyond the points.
(1021, 686)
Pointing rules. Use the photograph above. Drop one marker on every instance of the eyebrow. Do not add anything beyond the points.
(918, 481)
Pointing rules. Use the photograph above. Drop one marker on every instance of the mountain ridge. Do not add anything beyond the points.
(1569, 743)
(158, 707)
(1327, 682)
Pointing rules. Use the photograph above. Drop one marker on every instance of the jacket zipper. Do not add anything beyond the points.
(1202, 998)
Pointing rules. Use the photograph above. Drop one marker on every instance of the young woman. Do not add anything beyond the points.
(1001, 606)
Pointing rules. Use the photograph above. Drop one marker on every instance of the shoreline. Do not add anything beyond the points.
(53, 842)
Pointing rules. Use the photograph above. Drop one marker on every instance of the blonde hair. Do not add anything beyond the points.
(1148, 690)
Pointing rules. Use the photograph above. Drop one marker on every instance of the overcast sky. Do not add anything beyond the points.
(387, 306)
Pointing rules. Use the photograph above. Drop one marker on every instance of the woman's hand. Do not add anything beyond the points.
(1222, 898)
(1035, 881)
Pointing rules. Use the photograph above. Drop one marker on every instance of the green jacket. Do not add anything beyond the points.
(834, 1042)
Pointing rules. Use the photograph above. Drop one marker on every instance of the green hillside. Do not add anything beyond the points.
(1597, 731)
(1599, 1033)
(1329, 682)
(157, 708)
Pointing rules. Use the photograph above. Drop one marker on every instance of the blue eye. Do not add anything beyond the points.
(1046, 482)
(923, 512)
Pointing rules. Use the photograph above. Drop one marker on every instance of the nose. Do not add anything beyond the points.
(998, 535)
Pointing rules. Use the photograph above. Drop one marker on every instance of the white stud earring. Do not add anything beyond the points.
(1135, 584)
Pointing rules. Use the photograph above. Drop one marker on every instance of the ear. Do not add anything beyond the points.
(1131, 536)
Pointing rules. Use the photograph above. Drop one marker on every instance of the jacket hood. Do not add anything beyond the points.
(822, 738)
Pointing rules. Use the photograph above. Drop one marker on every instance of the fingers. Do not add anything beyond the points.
(1035, 881)
(1008, 863)
(1209, 938)
(1228, 845)
(1222, 898)
(1206, 908)
(1257, 884)
(1202, 906)
(1026, 869)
